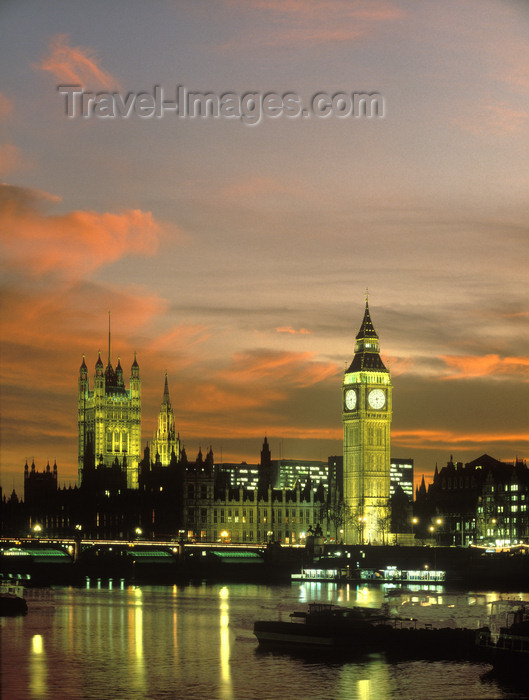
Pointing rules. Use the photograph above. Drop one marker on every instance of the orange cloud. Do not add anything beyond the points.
(447, 439)
(286, 432)
(471, 366)
(74, 243)
(45, 328)
(318, 22)
(398, 365)
(297, 369)
(181, 341)
(292, 331)
(220, 402)
(75, 65)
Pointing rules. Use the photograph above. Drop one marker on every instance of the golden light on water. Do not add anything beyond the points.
(224, 622)
(363, 689)
(37, 667)
(37, 645)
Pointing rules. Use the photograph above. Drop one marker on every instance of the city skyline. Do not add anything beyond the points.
(236, 256)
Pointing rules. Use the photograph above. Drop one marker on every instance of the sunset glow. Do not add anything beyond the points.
(236, 257)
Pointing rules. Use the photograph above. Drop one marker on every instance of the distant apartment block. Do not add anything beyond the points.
(401, 474)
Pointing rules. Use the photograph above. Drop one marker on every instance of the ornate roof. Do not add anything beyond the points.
(367, 351)
(368, 361)
(366, 329)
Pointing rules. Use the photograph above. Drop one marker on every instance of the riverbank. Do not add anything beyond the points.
(157, 563)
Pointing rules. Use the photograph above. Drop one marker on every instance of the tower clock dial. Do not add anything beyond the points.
(350, 399)
(376, 399)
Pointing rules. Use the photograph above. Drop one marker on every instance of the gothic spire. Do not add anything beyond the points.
(366, 329)
(166, 399)
(367, 347)
(109, 348)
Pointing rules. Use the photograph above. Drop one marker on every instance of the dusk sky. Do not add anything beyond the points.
(236, 256)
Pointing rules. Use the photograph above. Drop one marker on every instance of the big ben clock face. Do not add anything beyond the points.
(350, 399)
(376, 398)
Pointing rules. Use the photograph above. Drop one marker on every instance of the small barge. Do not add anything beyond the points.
(508, 649)
(12, 601)
(363, 630)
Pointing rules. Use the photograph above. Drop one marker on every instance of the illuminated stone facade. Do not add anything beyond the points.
(165, 441)
(366, 416)
(109, 417)
(246, 516)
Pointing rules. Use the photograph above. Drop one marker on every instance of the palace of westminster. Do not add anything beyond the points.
(364, 496)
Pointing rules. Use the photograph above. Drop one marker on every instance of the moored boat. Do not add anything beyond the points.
(362, 630)
(12, 601)
(390, 574)
(323, 625)
(508, 649)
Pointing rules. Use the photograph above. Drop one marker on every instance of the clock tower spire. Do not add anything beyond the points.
(366, 417)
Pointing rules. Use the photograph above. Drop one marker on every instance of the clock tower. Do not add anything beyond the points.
(366, 417)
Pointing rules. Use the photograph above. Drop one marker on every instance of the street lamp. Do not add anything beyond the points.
(362, 519)
(37, 529)
(438, 522)
(414, 523)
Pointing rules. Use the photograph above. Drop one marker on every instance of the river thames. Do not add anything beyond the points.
(196, 641)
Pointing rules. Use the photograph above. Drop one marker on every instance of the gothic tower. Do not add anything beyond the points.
(109, 417)
(165, 440)
(366, 417)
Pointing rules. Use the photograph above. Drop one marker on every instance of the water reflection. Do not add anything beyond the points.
(37, 646)
(197, 641)
(364, 689)
(341, 594)
(225, 675)
(38, 666)
(135, 646)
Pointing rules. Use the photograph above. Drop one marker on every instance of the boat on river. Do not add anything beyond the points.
(507, 649)
(12, 601)
(390, 574)
(363, 630)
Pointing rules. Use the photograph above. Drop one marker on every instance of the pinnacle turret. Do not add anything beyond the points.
(99, 366)
(135, 369)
